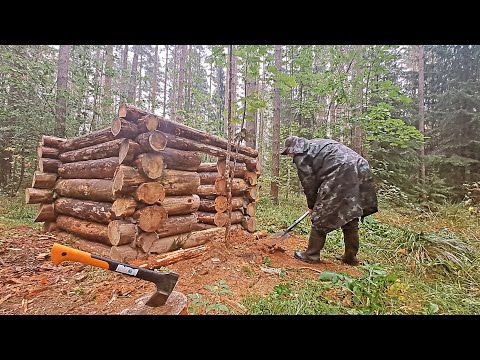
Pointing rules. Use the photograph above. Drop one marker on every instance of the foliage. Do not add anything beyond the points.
(200, 302)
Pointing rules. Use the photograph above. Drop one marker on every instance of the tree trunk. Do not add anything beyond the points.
(48, 165)
(181, 82)
(180, 159)
(128, 150)
(90, 169)
(421, 101)
(84, 229)
(150, 193)
(131, 114)
(170, 258)
(107, 85)
(181, 205)
(150, 218)
(251, 124)
(38, 196)
(126, 128)
(51, 141)
(96, 137)
(47, 152)
(152, 141)
(121, 232)
(177, 225)
(178, 182)
(276, 130)
(133, 75)
(150, 164)
(165, 82)
(61, 95)
(124, 207)
(139, 82)
(94, 152)
(46, 212)
(124, 73)
(43, 180)
(86, 189)
(99, 212)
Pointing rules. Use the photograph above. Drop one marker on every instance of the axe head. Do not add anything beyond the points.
(165, 283)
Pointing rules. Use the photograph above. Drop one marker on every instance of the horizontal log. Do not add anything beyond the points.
(207, 205)
(251, 177)
(207, 167)
(97, 137)
(47, 152)
(124, 207)
(84, 229)
(38, 196)
(249, 223)
(209, 178)
(197, 238)
(88, 189)
(251, 209)
(128, 150)
(206, 217)
(121, 232)
(251, 193)
(177, 224)
(150, 164)
(238, 186)
(202, 226)
(221, 205)
(169, 258)
(240, 168)
(48, 165)
(131, 113)
(100, 212)
(151, 218)
(51, 141)
(46, 212)
(89, 169)
(94, 248)
(206, 191)
(179, 182)
(145, 240)
(221, 219)
(44, 180)
(181, 205)
(152, 141)
(150, 193)
(180, 143)
(125, 253)
(49, 226)
(122, 127)
(180, 159)
(98, 151)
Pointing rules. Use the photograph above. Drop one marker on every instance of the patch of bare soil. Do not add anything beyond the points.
(31, 284)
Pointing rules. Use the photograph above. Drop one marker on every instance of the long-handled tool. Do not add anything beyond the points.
(286, 233)
(165, 281)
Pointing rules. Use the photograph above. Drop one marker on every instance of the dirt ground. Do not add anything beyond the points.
(31, 284)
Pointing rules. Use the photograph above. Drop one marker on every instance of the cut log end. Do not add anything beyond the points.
(151, 164)
(38, 196)
(121, 232)
(150, 218)
(150, 193)
(127, 151)
(46, 212)
(249, 223)
(124, 207)
(152, 141)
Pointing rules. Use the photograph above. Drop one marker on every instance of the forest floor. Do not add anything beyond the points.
(31, 284)
(414, 262)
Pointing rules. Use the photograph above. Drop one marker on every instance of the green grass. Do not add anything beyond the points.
(414, 262)
(14, 212)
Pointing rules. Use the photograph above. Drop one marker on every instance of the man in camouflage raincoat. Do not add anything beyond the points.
(339, 188)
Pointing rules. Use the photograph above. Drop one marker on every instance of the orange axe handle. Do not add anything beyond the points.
(61, 253)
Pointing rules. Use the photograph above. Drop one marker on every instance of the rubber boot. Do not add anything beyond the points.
(351, 239)
(316, 241)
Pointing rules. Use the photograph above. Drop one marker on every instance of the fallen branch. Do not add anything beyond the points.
(156, 262)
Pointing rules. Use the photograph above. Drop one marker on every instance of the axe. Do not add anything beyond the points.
(165, 281)
(285, 233)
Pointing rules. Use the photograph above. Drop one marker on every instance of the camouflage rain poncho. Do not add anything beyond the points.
(336, 180)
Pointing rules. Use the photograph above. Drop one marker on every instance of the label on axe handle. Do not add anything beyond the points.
(126, 270)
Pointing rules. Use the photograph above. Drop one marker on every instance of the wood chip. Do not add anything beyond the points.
(277, 271)
(42, 256)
